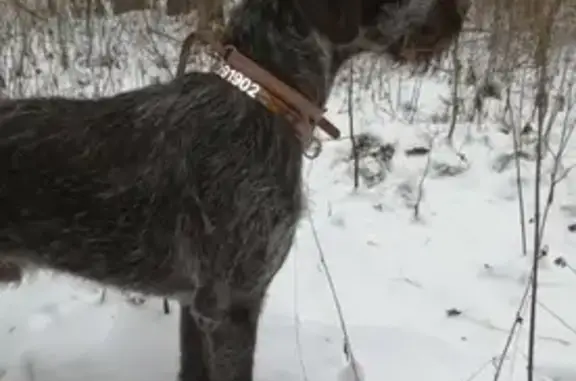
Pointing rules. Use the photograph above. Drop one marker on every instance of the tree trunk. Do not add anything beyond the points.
(124, 6)
(178, 7)
(99, 8)
(209, 11)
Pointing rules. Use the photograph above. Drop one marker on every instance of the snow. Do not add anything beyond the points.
(397, 277)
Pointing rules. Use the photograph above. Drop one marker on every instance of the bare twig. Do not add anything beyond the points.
(518, 319)
(519, 188)
(541, 60)
(425, 172)
(351, 126)
(455, 95)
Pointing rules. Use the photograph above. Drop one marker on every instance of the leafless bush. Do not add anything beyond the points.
(84, 39)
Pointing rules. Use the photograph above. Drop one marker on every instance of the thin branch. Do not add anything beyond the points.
(518, 168)
(455, 96)
(355, 154)
(518, 319)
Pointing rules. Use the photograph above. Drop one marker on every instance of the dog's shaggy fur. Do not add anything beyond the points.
(191, 189)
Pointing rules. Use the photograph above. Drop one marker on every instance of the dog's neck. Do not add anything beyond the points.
(276, 37)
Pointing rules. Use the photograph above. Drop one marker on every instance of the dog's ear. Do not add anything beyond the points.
(339, 20)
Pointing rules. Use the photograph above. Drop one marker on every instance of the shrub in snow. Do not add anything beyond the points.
(479, 92)
(374, 159)
(506, 160)
(447, 169)
(445, 162)
(408, 192)
(135, 298)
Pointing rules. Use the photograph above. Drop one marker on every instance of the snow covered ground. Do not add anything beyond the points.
(429, 298)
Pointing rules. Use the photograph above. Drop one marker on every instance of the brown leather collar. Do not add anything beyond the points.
(270, 91)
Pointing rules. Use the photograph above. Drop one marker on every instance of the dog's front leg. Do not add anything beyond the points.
(10, 272)
(193, 362)
(232, 342)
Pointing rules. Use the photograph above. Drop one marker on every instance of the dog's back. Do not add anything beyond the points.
(110, 179)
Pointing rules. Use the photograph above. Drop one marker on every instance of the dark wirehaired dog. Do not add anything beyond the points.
(192, 189)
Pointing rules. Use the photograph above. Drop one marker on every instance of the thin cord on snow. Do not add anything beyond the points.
(557, 317)
(297, 325)
(480, 369)
(337, 304)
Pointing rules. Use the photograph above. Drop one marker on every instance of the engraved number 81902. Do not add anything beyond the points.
(239, 80)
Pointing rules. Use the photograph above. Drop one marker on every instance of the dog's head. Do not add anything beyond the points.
(407, 30)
